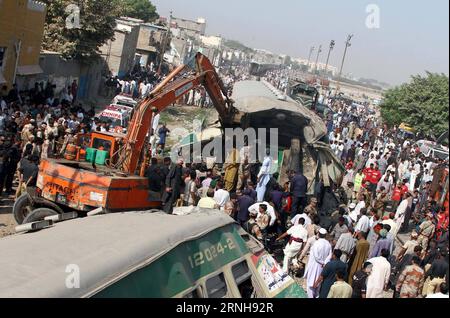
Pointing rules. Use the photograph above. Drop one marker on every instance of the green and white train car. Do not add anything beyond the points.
(203, 254)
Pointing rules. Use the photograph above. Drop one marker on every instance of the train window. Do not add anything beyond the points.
(192, 294)
(243, 278)
(216, 286)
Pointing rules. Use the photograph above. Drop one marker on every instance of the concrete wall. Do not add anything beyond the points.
(21, 20)
(150, 37)
(189, 27)
(62, 73)
(120, 53)
(129, 51)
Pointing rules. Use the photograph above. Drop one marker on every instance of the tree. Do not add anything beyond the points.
(423, 104)
(97, 23)
(140, 9)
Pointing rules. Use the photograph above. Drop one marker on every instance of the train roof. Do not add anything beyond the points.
(104, 247)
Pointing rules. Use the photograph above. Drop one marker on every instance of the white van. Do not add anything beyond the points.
(118, 115)
(124, 101)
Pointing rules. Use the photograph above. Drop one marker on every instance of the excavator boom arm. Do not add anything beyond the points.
(163, 96)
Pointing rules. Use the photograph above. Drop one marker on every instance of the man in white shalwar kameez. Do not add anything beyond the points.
(400, 213)
(320, 255)
(379, 277)
(264, 176)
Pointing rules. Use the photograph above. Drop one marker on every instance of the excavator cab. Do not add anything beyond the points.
(108, 143)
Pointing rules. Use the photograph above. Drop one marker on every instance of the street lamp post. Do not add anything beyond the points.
(317, 58)
(332, 44)
(347, 45)
(311, 50)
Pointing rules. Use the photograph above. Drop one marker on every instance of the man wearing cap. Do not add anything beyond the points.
(319, 256)
(426, 231)
(408, 247)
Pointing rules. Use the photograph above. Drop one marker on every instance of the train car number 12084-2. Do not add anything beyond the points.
(207, 255)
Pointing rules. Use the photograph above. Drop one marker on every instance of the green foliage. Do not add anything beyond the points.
(140, 9)
(97, 21)
(423, 104)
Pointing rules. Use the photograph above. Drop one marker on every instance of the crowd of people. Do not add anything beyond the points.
(389, 188)
(34, 124)
(41, 123)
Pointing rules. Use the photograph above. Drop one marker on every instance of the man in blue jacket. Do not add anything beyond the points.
(299, 187)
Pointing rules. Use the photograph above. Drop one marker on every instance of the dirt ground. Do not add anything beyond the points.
(7, 222)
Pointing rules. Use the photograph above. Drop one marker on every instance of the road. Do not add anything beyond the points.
(7, 222)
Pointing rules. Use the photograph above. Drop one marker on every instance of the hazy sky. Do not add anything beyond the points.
(413, 34)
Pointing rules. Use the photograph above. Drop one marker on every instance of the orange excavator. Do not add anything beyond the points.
(71, 184)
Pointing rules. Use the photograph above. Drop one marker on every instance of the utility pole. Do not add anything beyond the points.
(317, 58)
(332, 44)
(311, 50)
(163, 49)
(347, 45)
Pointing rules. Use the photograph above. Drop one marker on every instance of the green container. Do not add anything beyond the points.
(90, 154)
(101, 157)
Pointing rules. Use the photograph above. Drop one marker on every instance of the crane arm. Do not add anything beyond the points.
(166, 93)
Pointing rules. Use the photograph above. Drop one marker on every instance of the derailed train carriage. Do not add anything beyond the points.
(301, 134)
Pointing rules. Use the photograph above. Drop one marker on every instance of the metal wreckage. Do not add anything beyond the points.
(302, 135)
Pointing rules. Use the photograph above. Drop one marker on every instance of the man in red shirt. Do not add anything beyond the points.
(368, 173)
(404, 187)
(374, 178)
(373, 175)
(397, 194)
